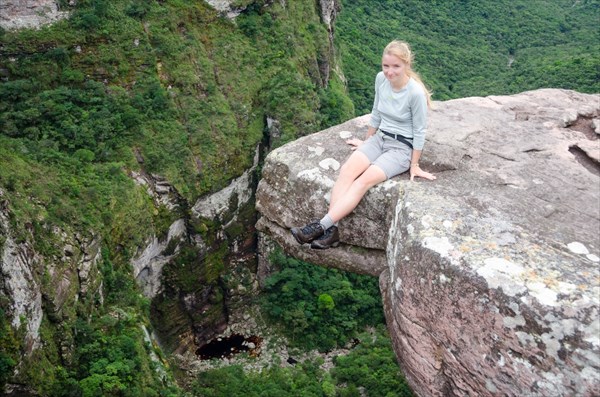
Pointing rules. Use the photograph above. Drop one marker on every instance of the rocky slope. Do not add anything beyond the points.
(181, 220)
(489, 274)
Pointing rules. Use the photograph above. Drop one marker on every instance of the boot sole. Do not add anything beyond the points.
(324, 247)
(296, 236)
(294, 231)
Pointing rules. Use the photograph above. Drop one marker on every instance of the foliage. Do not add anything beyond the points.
(108, 354)
(69, 120)
(319, 307)
(272, 382)
(474, 48)
(111, 360)
(169, 88)
(372, 366)
(175, 89)
(9, 349)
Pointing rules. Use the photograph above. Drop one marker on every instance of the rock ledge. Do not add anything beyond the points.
(489, 275)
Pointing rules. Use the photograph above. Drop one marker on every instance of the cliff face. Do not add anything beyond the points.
(489, 274)
(36, 288)
(159, 187)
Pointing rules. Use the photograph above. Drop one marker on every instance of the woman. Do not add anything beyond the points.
(395, 139)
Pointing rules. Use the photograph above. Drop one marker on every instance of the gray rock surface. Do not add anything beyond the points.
(227, 7)
(17, 283)
(490, 274)
(35, 285)
(295, 188)
(19, 14)
(149, 262)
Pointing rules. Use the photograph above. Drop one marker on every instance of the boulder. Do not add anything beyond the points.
(490, 274)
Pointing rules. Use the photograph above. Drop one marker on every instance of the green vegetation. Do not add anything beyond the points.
(108, 354)
(169, 88)
(9, 349)
(319, 307)
(173, 88)
(468, 48)
(370, 367)
(111, 361)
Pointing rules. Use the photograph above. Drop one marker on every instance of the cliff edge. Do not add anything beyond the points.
(490, 274)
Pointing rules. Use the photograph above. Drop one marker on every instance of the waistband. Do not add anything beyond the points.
(400, 138)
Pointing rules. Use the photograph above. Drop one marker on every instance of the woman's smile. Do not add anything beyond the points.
(394, 70)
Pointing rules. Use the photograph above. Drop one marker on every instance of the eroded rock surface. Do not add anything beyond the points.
(19, 14)
(490, 275)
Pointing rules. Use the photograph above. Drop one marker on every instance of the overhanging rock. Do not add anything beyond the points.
(490, 275)
(295, 188)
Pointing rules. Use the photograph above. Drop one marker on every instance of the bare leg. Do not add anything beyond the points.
(345, 203)
(356, 164)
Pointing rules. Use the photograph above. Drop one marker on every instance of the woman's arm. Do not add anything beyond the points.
(370, 132)
(419, 118)
(415, 170)
(375, 116)
(355, 142)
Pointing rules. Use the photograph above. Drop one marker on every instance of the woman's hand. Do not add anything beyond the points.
(415, 170)
(354, 142)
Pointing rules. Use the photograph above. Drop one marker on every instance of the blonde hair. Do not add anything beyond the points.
(402, 51)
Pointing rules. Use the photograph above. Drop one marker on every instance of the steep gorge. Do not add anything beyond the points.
(148, 173)
(162, 193)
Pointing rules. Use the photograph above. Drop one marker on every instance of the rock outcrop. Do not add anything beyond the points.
(190, 305)
(19, 14)
(490, 274)
(17, 284)
(34, 285)
(329, 10)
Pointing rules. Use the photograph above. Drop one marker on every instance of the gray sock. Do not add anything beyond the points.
(326, 222)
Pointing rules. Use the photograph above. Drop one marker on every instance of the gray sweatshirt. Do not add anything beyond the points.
(403, 112)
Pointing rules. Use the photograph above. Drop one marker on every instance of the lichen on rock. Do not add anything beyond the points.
(489, 274)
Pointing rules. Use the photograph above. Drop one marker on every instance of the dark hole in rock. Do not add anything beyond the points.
(224, 347)
(292, 360)
(585, 160)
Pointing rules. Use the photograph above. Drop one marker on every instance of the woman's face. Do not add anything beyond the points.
(393, 68)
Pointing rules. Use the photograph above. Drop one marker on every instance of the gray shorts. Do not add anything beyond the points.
(392, 156)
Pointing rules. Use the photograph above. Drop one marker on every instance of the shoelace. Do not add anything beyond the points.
(327, 234)
(308, 229)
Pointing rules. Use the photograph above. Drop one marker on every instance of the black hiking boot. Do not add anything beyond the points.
(330, 239)
(308, 233)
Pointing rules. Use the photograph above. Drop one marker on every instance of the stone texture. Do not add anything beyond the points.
(19, 14)
(36, 285)
(295, 187)
(18, 284)
(328, 10)
(227, 7)
(187, 319)
(490, 279)
(228, 201)
(149, 262)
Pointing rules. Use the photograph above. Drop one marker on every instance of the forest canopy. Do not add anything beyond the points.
(474, 48)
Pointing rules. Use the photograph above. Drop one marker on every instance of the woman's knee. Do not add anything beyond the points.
(356, 164)
(370, 178)
(348, 171)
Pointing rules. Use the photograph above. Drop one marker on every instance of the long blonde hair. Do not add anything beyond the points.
(401, 50)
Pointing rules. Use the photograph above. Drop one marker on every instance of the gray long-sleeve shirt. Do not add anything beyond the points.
(403, 112)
